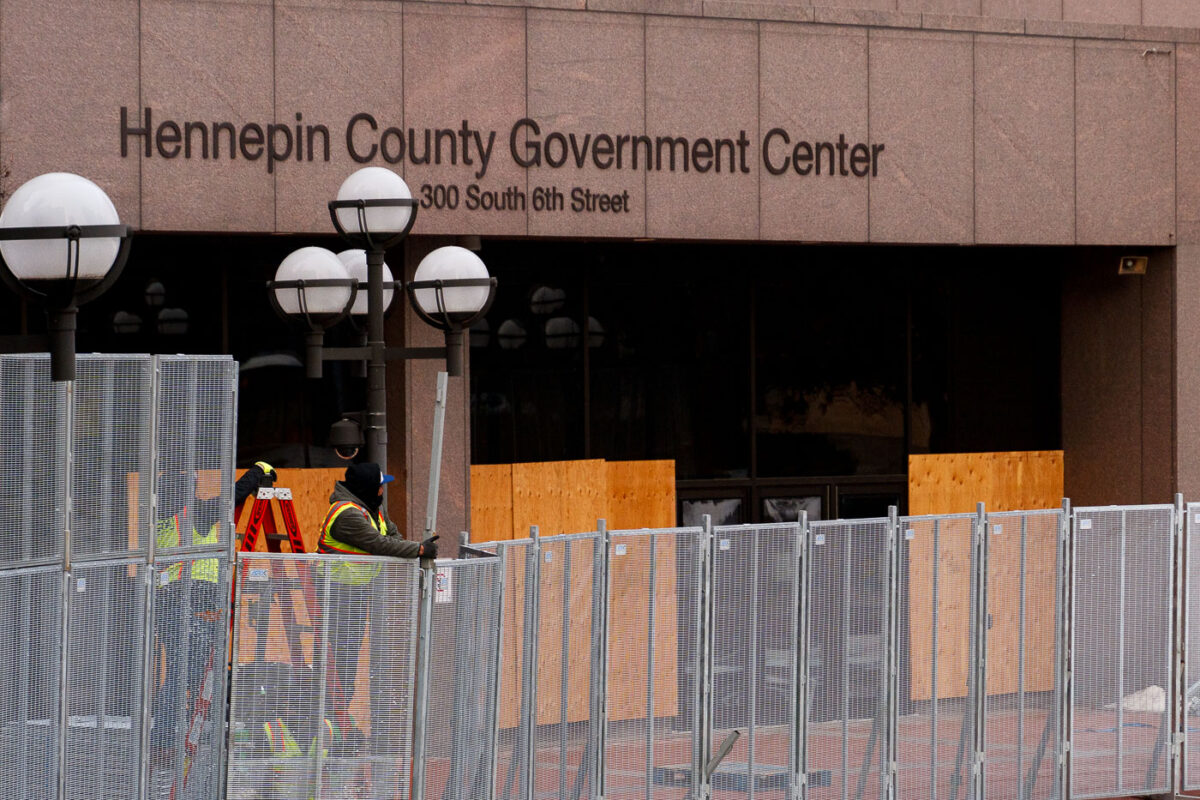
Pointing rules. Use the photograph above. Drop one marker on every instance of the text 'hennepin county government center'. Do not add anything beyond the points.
(785, 246)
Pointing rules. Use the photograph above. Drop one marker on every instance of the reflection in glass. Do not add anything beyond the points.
(727, 511)
(787, 509)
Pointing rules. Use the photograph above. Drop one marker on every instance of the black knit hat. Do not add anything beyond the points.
(364, 481)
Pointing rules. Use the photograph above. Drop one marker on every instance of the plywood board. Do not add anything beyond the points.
(569, 497)
(956, 483)
(537, 498)
(641, 494)
(629, 631)
(491, 503)
(953, 483)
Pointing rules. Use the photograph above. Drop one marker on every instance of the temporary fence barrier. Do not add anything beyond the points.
(1011, 655)
(1123, 629)
(846, 732)
(757, 577)
(108, 479)
(313, 712)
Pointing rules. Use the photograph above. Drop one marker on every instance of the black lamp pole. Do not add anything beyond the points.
(376, 427)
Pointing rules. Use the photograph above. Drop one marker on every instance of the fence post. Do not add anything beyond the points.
(598, 731)
(322, 659)
(529, 664)
(889, 771)
(1065, 660)
(1178, 693)
(801, 565)
(700, 784)
(979, 667)
(1185, 557)
(421, 703)
(67, 396)
(147, 528)
(489, 790)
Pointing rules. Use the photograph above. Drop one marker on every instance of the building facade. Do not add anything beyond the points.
(785, 245)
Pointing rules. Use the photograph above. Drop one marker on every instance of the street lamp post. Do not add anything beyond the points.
(44, 214)
(375, 210)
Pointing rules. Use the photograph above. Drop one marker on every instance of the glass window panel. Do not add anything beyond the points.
(726, 511)
(787, 509)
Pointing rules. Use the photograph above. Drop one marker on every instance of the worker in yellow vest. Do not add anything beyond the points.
(295, 780)
(174, 489)
(207, 601)
(355, 525)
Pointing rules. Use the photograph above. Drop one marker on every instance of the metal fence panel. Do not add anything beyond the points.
(935, 726)
(112, 454)
(755, 650)
(653, 715)
(104, 680)
(1191, 707)
(31, 479)
(187, 687)
(195, 428)
(307, 696)
(511, 757)
(30, 649)
(561, 746)
(458, 730)
(1122, 649)
(1024, 581)
(847, 658)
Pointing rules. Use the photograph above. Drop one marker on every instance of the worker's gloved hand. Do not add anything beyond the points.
(429, 547)
(266, 469)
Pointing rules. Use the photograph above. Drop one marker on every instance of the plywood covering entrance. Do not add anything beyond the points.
(955, 483)
(569, 497)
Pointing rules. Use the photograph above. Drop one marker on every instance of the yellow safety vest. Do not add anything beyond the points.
(206, 569)
(283, 744)
(167, 535)
(343, 572)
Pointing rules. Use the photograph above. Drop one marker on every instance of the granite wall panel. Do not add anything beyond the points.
(1187, 153)
(921, 111)
(1178, 13)
(63, 113)
(465, 66)
(1120, 12)
(586, 80)
(1024, 141)
(713, 191)
(208, 63)
(813, 89)
(1023, 9)
(334, 59)
(1125, 144)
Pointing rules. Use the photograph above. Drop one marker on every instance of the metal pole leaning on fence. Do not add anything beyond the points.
(421, 701)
